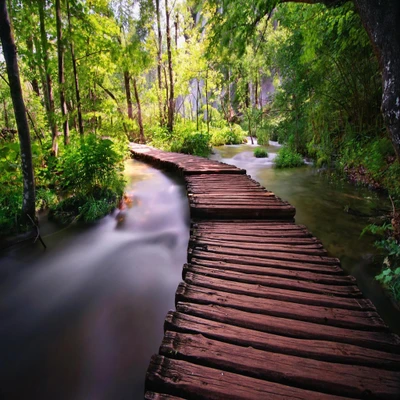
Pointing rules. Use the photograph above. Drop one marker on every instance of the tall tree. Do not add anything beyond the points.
(171, 95)
(47, 81)
(61, 71)
(10, 55)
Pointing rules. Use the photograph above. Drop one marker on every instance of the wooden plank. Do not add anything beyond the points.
(298, 233)
(185, 379)
(311, 248)
(293, 328)
(309, 348)
(292, 296)
(365, 320)
(221, 238)
(246, 260)
(351, 291)
(275, 255)
(284, 273)
(320, 376)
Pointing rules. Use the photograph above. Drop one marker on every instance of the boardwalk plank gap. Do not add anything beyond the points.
(263, 312)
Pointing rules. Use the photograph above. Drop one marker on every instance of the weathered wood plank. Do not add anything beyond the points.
(203, 383)
(365, 320)
(255, 240)
(293, 328)
(331, 378)
(310, 248)
(275, 255)
(289, 295)
(284, 273)
(247, 260)
(351, 291)
(309, 348)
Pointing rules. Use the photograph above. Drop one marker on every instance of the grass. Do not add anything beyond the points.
(259, 152)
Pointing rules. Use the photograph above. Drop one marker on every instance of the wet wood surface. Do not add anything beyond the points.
(263, 311)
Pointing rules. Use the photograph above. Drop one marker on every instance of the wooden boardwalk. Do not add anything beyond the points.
(263, 312)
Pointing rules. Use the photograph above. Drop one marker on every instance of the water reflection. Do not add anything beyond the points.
(81, 319)
(336, 212)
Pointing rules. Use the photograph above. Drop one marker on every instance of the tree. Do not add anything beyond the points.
(10, 55)
(237, 22)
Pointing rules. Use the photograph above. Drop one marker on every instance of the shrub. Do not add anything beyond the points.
(259, 152)
(227, 135)
(288, 158)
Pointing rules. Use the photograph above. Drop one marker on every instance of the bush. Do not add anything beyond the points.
(288, 158)
(259, 152)
(227, 135)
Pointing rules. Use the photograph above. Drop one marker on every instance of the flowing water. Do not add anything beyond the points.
(334, 211)
(80, 320)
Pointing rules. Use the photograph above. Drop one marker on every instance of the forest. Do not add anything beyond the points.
(81, 79)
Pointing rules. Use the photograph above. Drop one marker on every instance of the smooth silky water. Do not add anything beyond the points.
(327, 209)
(80, 320)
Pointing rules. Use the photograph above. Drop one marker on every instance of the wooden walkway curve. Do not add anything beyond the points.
(263, 312)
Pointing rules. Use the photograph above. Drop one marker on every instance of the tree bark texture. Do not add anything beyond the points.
(139, 113)
(171, 100)
(61, 72)
(75, 69)
(159, 54)
(48, 83)
(127, 82)
(10, 55)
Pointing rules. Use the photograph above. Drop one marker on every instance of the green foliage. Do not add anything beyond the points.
(227, 135)
(390, 249)
(259, 152)
(90, 164)
(288, 158)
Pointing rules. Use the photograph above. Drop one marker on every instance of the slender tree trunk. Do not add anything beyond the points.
(48, 88)
(159, 62)
(75, 69)
(176, 25)
(61, 72)
(256, 91)
(127, 82)
(207, 109)
(34, 82)
(10, 55)
(139, 113)
(197, 104)
(171, 100)
(6, 121)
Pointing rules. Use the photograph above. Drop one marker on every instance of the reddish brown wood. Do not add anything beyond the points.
(310, 348)
(273, 315)
(284, 273)
(160, 396)
(365, 320)
(273, 282)
(283, 294)
(331, 378)
(292, 328)
(203, 383)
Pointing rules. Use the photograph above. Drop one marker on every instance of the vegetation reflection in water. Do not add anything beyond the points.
(334, 211)
(81, 319)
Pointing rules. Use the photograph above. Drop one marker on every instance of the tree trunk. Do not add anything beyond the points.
(48, 84)
(381, 20)
(159, 55)
(75, 69)
(207, 109)
(127, 81)
(34, 82)
(6, 121)
(171, 101)
(10, 55)
(61, 72)
(139, 113)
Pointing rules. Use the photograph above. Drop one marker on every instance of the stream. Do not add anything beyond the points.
(327, 207)
(80, 320)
